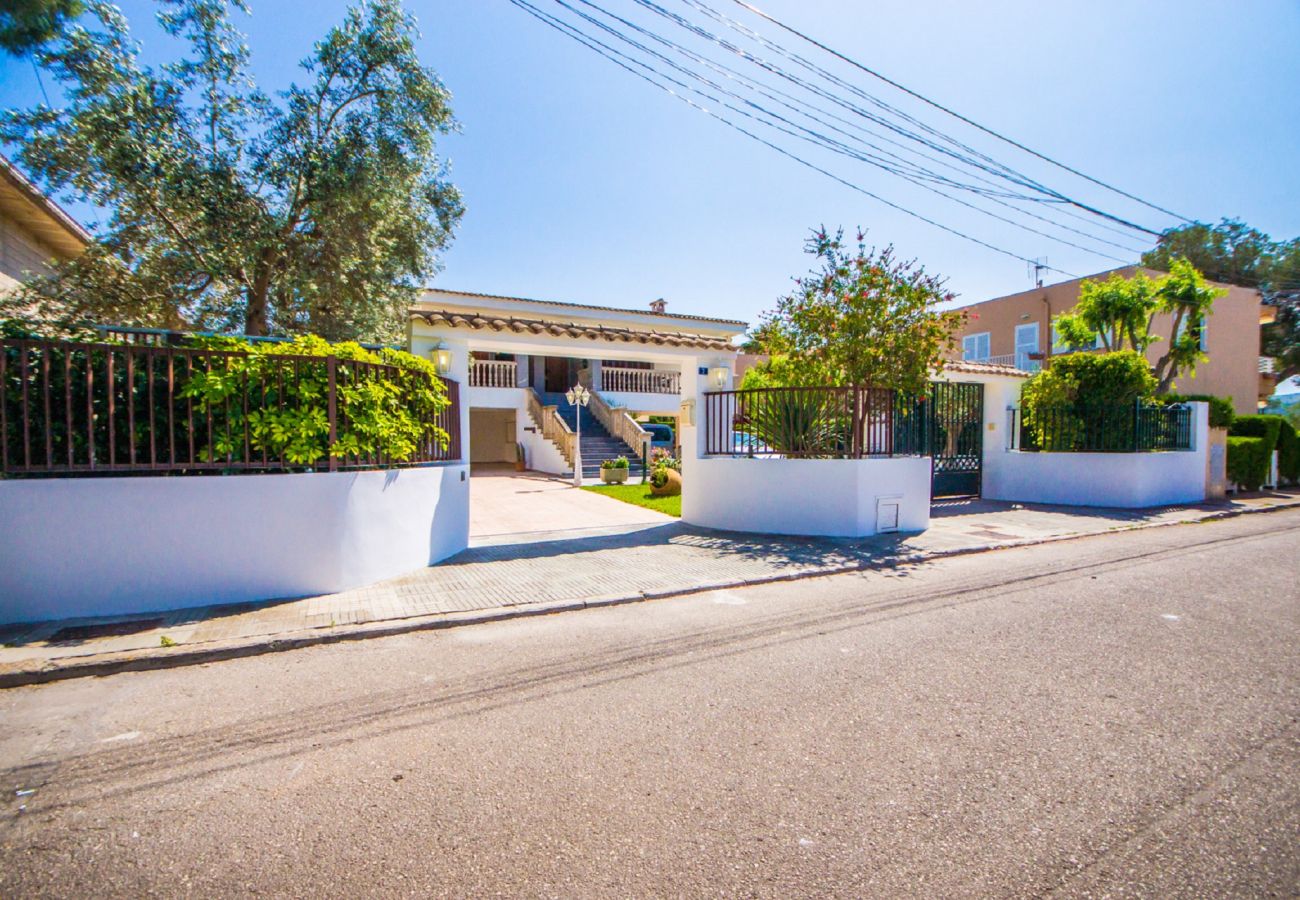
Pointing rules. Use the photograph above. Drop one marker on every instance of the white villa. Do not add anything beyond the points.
(515, 358)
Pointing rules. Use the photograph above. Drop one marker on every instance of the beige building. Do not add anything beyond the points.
(1017, 330)
(33, 230)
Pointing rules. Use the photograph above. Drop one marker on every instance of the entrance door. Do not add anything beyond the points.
(557, 375)
(955, 435)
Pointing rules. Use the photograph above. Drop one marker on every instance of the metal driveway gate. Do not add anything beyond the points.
(955, 438)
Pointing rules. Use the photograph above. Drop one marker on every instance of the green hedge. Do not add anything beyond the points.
(1267, 427)
(1248, 461)
(1222, 414)
(1288, 453)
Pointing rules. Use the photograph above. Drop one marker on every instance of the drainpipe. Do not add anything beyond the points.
(1047, 330)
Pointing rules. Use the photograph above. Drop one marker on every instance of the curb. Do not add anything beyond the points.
(144, 660)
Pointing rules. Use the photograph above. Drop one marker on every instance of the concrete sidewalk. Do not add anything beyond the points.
(539, 572)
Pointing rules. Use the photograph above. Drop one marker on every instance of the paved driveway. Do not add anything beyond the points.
(506, 502)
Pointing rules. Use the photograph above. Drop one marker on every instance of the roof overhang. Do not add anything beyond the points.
(23, 201)
(486, 320)
(466, 302)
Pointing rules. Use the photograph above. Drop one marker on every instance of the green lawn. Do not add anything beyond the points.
(639, 495)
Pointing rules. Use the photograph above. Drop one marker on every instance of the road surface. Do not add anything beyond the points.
(1112, 715)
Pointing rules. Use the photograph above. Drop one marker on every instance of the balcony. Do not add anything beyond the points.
(618, 380)
(493, 373)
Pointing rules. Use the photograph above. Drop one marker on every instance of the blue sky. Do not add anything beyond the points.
(583, 183)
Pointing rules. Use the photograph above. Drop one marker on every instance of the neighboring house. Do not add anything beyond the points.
(515, 359)
(1017, 330)
(34, 231)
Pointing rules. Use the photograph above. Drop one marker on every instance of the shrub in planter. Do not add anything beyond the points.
(665, 482)
(614, 471)
(1248, 461)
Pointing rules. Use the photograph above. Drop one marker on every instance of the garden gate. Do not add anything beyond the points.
(955, 438)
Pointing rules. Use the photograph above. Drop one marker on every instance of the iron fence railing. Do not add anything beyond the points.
(99, 408)
(1124, 428)
(814, 423)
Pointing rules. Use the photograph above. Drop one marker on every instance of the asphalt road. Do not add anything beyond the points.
(1110, 716)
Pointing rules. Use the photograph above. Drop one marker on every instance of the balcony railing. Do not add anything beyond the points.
(494, 373)
(615, 379)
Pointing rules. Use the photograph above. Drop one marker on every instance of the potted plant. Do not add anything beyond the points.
(521, 460)
(614, 471)
(666, 478)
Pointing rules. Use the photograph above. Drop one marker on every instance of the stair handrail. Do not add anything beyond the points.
(553, 426)
(619, 423)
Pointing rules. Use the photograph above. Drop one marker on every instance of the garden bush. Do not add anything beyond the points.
(1288, 453)
(1262, 426)
(1084, 401)
(377, 416)
(1248, 461)
(1222, 414)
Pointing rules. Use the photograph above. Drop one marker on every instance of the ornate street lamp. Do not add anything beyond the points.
(578, 397)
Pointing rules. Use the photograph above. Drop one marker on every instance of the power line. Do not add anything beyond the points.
(816, 138)
(596, 46)
(1014, 143)
(1001, 168)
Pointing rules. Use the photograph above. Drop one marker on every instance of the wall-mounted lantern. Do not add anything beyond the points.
(442, 360)
(718, 376)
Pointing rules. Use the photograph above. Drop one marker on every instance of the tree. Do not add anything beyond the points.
(863, 317)
(1121, 311)
(1234, 253)
(26, 24)
(1230, 252)
(320, 210)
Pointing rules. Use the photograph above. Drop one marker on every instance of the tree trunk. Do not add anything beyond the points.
(255, 313)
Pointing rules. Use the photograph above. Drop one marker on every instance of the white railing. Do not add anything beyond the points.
(493, 373)
(1006, 359)
(620, 424)
(1267, 365)
(616, 379)
(553, 426)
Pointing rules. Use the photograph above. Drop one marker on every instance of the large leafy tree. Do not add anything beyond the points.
(1234, 253)
(1119, 312)
(25, 24)
(320, 209)
(862, 317)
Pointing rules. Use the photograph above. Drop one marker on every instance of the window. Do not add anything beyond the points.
(1060, 346)
(1026, 343)
(1203, 327)
(975, 346)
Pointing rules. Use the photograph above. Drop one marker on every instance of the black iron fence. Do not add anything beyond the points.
(101, 408)
(814, 423)
(1080, 428)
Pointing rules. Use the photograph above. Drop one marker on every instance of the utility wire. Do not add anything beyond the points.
(1014, 143)
(596, 47)
(816, 138)
(997, 167)
(778, 96)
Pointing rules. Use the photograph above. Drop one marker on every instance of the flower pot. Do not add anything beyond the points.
(670, 488)
(613, 476)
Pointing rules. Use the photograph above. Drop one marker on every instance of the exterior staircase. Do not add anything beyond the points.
(597, 444)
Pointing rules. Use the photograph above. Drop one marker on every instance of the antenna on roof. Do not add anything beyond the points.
(1036, 269)
(658, 305)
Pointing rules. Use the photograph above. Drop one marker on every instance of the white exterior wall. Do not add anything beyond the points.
(822, 497)
(1126, 480)
(72, 547)
(657, 404)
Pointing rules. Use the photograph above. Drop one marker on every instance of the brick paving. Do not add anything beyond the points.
(658, 557)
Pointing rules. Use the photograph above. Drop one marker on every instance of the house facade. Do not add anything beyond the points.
(1017, 330)
(34, 231)
(515, 358)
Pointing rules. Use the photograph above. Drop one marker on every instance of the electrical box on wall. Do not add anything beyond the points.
(887, 511)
